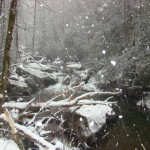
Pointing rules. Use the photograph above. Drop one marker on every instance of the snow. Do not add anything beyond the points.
(96, 116)
(104, 51)
(19, 83)
(145, 102)
(120, 116)
(38, 66)
(74, 66)
(35, 72)
(34, 136)
(90, 87)
(38, 124)
(58, 60)
(8, 144)
(113, 62)
(1, 95)
(14, 76)
(3, 117)
(59, 145)
(148, 104)
(20, 105)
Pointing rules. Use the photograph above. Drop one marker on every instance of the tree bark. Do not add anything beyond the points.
(6, 58)
(1, 2)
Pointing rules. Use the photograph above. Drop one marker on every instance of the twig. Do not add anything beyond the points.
(16, 24)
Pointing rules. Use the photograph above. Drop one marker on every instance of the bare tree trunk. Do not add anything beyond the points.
(34, 29)
(16, 43)
(1, 2)
(2, 23)
(6, 58)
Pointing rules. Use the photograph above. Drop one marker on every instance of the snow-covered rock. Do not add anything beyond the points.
(58, 61)
(88, 119)
(28, 78)
(18, 83)
(18, 88)
(145, 102)
(40, 77)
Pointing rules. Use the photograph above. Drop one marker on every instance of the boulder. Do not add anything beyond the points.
(32, 84)
(87, 120)
(41, 78)
(18, 88)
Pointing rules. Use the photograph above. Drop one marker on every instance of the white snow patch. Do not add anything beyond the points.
(104, 51)
(14, 76)
(148, 104)
(18, 83)
(113, 62)
(58, 60)
(120, 116)
(89, 87)
(96, 116)
(38, 124)
(38, 66)
(21, 105)
(8, 144)
(34, 136)
(59, 145)
(35, 72)
(81, 119)
(1, 95)
(75, 66)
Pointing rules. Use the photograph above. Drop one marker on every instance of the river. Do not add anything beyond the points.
(131, 131)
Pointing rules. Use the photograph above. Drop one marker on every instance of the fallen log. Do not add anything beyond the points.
(62, 103)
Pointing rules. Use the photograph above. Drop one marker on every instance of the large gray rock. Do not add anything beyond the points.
(41, 78)
(31, 83)
(87, 120)
(18, 88)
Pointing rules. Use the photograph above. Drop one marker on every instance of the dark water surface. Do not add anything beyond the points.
(131, 131)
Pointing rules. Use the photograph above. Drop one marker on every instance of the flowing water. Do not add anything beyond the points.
(131, 131)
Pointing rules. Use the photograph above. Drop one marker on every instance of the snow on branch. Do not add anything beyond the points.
(27, 133)
(33, 136)
(62, 103)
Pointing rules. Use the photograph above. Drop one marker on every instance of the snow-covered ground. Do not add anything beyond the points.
(7, 144)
